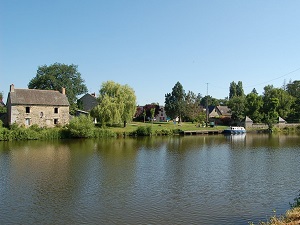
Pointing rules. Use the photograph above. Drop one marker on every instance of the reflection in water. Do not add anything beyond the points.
(162, 180)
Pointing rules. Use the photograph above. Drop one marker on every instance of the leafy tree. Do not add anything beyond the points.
(192, 106)
(57, 76)
(239, 89)
(232, 90)
(144, 115)
(117, 104)
(81, 127)
(2, 108)
(284, 101)
(152, 111)
(210, 101)
(174, 102)
(253, 107)
(237, 106)
(236, 89)
(293, 88)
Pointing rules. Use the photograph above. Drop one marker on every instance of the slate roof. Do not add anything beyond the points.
(224, 110)
(37, 97)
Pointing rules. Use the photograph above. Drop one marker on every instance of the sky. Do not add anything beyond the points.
(153, 44)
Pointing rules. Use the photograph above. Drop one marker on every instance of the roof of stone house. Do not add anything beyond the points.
(37, 97)
(224, 110)
(247, 119)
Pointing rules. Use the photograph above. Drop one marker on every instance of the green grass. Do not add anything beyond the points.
(184, 126)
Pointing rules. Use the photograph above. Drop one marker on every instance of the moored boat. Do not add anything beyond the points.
(235, 130)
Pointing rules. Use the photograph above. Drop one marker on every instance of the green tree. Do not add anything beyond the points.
(192, 106)
(152, 111)
(175, 102)
(2, 107)
(293, 88)
(232, 90)
(81, 127)
(210, 101)
(117, 104)
(237, 106)
(253, 107)
(57, 76)
(236, 89)
(239, 89)
(283, 104)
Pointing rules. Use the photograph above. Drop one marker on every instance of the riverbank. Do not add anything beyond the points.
(292, 217)
(86, 129)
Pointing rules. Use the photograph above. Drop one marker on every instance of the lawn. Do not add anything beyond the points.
(184, 126)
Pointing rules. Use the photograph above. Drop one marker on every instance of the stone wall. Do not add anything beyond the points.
(43, 116)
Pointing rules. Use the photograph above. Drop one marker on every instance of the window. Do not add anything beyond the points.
(27, 109)
(55, 121)
(55, 110)
(41, 115)
(27, 121)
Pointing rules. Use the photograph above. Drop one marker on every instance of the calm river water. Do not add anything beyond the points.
(160, 180)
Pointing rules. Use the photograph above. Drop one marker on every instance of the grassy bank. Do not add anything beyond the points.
(291, 217)
(84, 128)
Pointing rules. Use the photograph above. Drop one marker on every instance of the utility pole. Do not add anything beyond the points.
(207, 105)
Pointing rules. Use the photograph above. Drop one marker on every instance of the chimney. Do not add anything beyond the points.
(12, 88)
(93, 94)
(63, 91)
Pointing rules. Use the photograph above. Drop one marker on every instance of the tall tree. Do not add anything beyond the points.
(239, 89)
(293, 88)
(253, 106)
(192, 106)
(117, 104)
(232, 90)
(174, 102)
(237, 106)
(57, 76)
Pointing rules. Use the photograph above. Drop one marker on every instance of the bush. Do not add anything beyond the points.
(142, 131)
(81, 127)
(100, 133)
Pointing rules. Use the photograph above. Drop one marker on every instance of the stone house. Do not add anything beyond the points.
(46, 108)
(219, 111)
(88, 102)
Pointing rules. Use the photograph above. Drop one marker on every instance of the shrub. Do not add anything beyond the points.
(81, 127)
(142, 131)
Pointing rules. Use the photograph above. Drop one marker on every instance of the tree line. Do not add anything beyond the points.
(117, 103)
(266, 108)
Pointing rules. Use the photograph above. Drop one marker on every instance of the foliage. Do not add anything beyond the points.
(237, 106)
(174, 102)
(57, 76)
(142, 131)
(210, 101)
(146, 113)
(192, 106)
(81, 127)
(236, 89)
(253, 107)
(117, 103)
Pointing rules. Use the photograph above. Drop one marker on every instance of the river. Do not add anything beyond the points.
(160, 180)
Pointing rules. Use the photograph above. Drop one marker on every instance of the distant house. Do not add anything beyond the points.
(88, 102)
(46, 108)
(161, 116)
(219, 111)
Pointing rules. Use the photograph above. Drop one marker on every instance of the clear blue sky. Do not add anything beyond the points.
(152, 44)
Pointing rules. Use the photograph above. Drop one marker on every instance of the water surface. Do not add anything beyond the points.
(161, 180)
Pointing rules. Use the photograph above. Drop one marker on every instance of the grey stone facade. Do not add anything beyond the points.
(46, 108)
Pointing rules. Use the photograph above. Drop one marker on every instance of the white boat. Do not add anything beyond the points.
(235, 130)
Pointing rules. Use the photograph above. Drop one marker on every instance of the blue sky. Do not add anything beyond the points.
(152, 44)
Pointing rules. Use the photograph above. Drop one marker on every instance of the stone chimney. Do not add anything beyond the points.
(93, 94)
(63, 91)
(12, 88)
